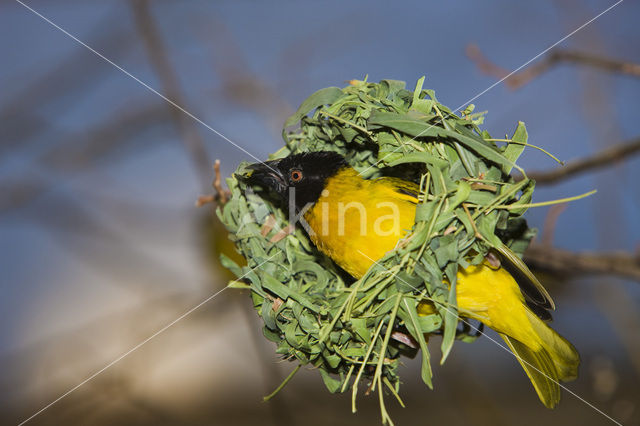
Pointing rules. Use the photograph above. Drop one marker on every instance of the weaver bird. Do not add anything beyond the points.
(356, 221)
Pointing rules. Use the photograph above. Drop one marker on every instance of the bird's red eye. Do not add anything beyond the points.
(296, 175)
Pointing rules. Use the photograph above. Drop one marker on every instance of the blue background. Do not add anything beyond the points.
(100, 245)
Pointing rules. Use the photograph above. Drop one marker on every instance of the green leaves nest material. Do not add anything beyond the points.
(311, 311)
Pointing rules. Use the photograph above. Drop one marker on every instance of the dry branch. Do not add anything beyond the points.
(220, 195)
(607, 157)
(239, 84)
(551, 59)
(73, 153)
(58, 85)
(157, 52)
(571, 264)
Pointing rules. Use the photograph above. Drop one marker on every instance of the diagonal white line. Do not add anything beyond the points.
(151, 89)
(503, 79)
(541, 53)
(139, 345)
(174, 104)
(506, 349)
(136, 347)
(254, 157)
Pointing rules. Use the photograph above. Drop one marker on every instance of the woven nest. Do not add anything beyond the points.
(469, 204)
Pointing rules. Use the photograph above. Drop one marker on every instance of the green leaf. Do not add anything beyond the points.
(407, 283)
(322, 97)
(355, 352)
(359, 325)
(412, 324)
(429, 323)
(332, 359)
(447, 250)
(425, 211)
(226, 262)
(419, 157)
(389, 87)
(462, 193)
(404, 123)
(478, 145)
(333, 385)
(450, 317)
(420, 128)
(238, 285)
(513, 150)
(437, 180)
(481, 198)
(271, 335)
(269, 316)
(418, 103)
(285, 292)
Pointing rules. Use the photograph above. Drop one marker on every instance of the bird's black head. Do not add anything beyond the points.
(298, 178)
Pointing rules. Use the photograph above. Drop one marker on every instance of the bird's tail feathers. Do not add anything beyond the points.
(539, 368)
(563, 354)
(552, 360)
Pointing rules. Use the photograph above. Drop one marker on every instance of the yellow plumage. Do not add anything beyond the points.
(352, 221)
(340, 229)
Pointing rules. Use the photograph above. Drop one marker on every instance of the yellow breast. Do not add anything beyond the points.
(356, 221)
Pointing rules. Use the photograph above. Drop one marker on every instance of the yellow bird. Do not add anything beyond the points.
(356, 221)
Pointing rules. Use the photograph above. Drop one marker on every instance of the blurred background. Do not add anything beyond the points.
(101, 246)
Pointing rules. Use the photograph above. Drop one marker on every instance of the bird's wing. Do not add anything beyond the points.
(533, 291)
(535, 294)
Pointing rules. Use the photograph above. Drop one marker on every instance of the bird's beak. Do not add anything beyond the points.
(267, 175)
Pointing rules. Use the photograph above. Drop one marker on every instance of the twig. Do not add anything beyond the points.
(599, 160)
(109, 139)
(72, 153)
(157, 52)
(283, 384)
(289, 229)
(238, 84)
(103, 248)
(220, 192)
(268, 225)
(221, 195)
(567, 263)
(485, 65)
(597, 61)
(478, 235)
(553, 58)
(204, 200)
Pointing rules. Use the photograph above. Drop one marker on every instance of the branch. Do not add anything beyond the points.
(239, 84)
(567, 263)
(551, 59)
(599, 160)
(72, 153)
(220, 195)
(56, 86)
(157, 55)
